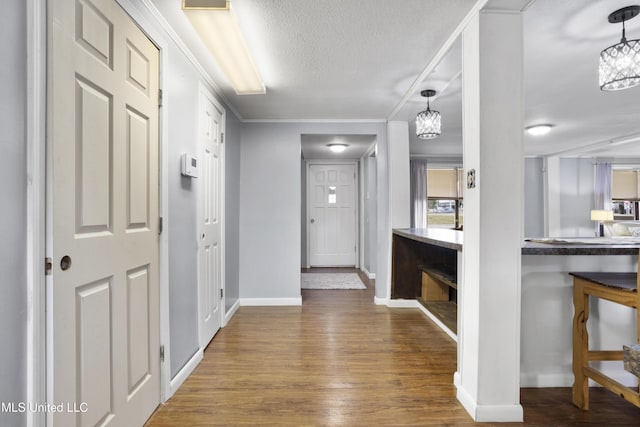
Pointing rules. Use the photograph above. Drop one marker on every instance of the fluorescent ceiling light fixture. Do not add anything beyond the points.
(428, 122)
(620, 63)
(218, 28)
(538, 130)
(337, 148)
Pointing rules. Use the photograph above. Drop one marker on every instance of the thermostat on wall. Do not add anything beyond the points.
(189, 166)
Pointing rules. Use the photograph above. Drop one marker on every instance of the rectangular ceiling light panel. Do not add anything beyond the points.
(218, 28)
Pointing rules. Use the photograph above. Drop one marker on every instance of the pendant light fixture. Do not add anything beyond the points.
(620, 63)
(428, 121)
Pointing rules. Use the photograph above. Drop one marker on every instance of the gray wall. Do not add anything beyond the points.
(533, 197)
(13, 303)
(576, 197)
(182, 101)
(232, 210)
(270, 203)
(370, 213)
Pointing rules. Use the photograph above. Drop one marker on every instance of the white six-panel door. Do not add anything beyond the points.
(210, 218)
(103, 316)
(332, 215)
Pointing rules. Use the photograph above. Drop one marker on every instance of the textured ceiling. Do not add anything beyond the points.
(330, 59)
(358, 59)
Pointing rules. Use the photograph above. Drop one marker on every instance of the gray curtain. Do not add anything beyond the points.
(418, 170)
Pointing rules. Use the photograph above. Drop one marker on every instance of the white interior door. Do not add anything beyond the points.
(210, 207)
(103, 297)
(332, 215)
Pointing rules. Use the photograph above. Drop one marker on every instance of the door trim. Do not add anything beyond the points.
(36, 359)
(356, 165)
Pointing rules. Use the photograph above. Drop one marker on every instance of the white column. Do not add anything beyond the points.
(488, 383)
(399, 187)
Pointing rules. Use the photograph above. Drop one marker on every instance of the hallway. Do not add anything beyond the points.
(341, 360)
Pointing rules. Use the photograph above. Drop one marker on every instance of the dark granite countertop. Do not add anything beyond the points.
(443, 237)
(595, 248)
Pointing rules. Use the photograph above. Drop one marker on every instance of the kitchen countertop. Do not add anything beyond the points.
(443, 237)
(580, 246)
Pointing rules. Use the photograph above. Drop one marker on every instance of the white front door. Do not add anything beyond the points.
(210, 207)
(332, 215)
(102, 155)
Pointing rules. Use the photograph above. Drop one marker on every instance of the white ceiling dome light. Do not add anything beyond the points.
(539, 130)
(337, 148)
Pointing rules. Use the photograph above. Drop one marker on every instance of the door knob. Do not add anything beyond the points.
(65, 263)
(312, 220)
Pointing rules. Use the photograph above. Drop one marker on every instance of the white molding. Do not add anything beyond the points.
(402, 303)
(499, 413)
(36, 113)
(488, 413)
(229, 314)
(439, 323)
(184, 373)
(381, 301)
(367, 273)
(314, 121)
(173, 35)
(435, 61)
(265, 302)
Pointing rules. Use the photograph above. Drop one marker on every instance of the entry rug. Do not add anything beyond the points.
(332, 281)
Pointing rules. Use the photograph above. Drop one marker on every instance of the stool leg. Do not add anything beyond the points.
(580, 392)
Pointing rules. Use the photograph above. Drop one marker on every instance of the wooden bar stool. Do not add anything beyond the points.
(620, 288)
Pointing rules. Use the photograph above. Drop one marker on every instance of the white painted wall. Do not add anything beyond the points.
(399, 176)
(576, 197)
(270, 206)
(13, 227)
(488, 379)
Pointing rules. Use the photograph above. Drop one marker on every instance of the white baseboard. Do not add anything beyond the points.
(402, 303)
(437, 321)
(184, 373)
(270, 301)
(489, 413)
(229, 314)
(369, 275)
(380, 301)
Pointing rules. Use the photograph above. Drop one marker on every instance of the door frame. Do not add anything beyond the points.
(38, 226)
(356, 164)
(203, 90)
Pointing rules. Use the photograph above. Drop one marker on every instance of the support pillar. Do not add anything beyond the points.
(488, 377)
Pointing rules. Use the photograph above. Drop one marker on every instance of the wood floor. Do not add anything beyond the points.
(340, 360)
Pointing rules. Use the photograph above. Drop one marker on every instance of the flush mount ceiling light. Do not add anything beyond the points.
(337, 148)
(620, 63)
(538, 130)
(218, 28)
(428, 121)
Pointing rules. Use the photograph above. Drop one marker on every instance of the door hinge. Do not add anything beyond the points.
(159, 97)
(221, 137)
(162, 353)
(221, 293)
(48, 265)
(160, 225)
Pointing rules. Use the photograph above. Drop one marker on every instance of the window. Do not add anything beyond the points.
(625, 194)
(444, 194)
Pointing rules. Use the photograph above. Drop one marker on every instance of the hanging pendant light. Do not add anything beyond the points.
(620, 63)
(428, 121)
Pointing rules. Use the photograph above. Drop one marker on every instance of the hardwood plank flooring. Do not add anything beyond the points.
(340, 360)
